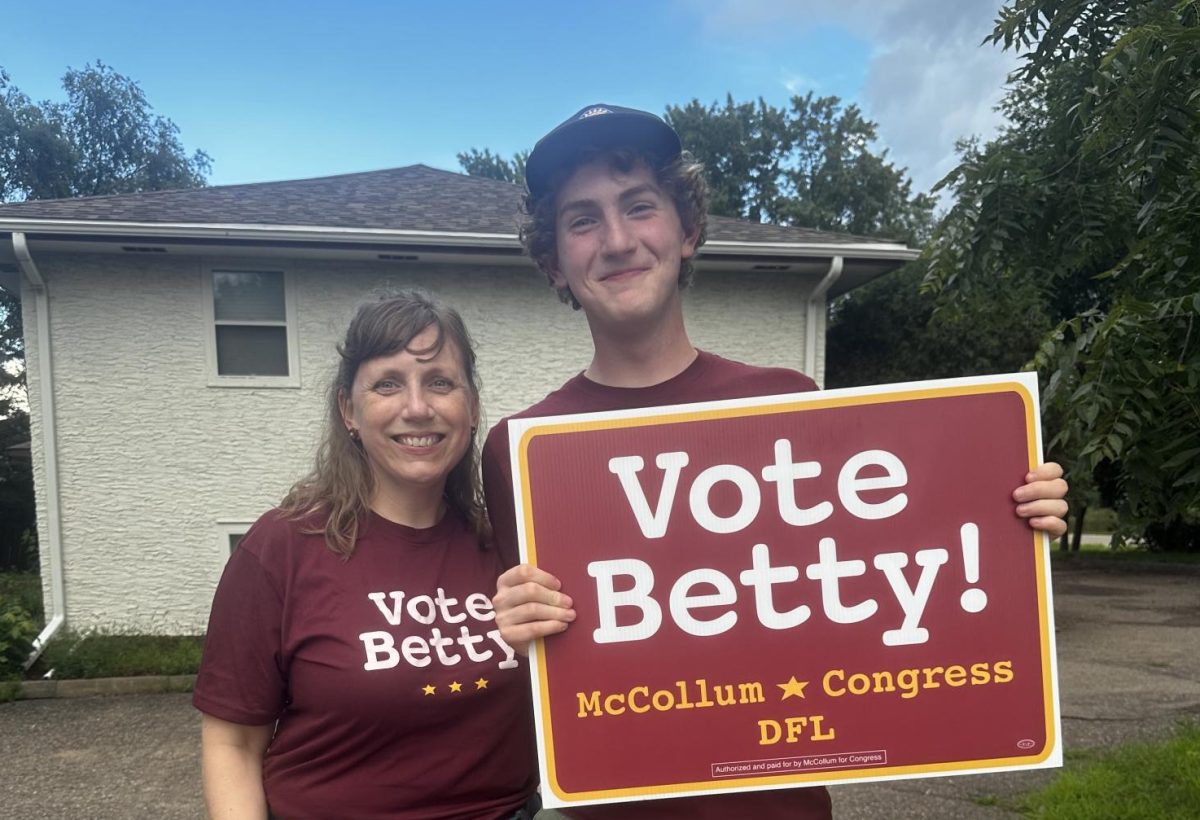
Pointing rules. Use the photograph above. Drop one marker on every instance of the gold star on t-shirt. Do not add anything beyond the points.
(455, 687)
(792, 687)
(481, 683)
(429, 689)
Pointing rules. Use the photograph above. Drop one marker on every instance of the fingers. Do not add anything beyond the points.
(1046, 482)
(1045, 472)
(1051, 525)
(529, 605)
(1041, 499)
(525, 574)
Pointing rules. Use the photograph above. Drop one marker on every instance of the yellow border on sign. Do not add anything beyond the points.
(776, 409)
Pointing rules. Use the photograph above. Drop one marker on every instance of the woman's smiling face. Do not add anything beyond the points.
(414, 414)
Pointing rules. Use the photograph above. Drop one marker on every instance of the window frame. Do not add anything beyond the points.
(215, 378)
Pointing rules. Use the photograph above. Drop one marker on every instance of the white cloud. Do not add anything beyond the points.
(799, 83)
(929, 81)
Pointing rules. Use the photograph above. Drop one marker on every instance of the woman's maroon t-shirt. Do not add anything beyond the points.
(395, 696)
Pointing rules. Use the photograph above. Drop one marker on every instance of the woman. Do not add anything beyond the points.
(353, 668)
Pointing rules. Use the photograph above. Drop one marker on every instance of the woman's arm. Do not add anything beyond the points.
(232, 756)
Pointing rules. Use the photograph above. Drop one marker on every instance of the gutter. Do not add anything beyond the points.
(50, 492)
(816, 303)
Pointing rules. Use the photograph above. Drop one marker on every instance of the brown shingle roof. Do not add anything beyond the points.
(416, 198)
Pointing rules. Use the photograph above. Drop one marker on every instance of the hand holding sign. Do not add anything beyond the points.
(529, 606)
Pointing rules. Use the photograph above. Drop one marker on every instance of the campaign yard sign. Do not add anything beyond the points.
(796, 590)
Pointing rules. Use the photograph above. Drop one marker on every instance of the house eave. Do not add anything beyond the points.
(236, 233)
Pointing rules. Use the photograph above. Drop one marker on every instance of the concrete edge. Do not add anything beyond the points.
(89, 687)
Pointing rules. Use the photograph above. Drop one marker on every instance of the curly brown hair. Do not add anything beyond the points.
(337, 492)
(682, 178)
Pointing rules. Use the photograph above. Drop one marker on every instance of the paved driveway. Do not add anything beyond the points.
(1129, 668)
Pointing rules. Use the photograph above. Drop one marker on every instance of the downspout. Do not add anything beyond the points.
(816, 303)
(50, 492)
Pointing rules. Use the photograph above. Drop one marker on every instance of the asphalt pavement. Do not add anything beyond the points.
(1129, 670)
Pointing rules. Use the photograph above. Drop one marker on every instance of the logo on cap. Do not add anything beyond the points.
(591, 112)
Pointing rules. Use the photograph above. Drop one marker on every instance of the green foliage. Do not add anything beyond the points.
(810, 164)
(18, 532)
(813, 164)
(104, 139)
(891, 331)
(17, 631)
(1094, 191)
(98, 655)
(493, 166)
(1099, 520)
(1151, 781)
(25, 590)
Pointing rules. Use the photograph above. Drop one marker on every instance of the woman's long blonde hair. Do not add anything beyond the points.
(338, 489)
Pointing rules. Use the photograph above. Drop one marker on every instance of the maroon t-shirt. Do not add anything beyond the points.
(708, 378)
(395, 696)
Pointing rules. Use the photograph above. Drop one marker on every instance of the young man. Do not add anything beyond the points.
(616, 211)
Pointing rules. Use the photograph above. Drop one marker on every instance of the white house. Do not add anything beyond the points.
(178, 345)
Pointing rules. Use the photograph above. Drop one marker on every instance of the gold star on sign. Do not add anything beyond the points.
(481, 683)
(455, 687)
(429, 689)
(792, 687)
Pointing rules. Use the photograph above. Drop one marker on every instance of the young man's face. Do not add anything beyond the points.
(619, 245)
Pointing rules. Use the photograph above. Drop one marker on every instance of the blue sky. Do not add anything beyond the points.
(289, 90)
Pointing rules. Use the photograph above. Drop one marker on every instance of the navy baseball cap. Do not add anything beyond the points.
(598, 126)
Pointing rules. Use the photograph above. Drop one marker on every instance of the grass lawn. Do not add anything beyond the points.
(1156, 781)
(97, 655)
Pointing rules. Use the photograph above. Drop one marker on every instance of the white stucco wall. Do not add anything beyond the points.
(152, 460)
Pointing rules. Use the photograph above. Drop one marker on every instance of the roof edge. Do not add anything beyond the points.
(204, 230)
(856, 250)
(293, 233)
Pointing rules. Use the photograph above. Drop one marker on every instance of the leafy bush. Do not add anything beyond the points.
(98, 655)
(17, 631)
(25, 590)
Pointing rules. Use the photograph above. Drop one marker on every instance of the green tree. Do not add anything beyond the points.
(811, 164)
(1094, 190)
(103, 139)
(814, 164)
(493, 166)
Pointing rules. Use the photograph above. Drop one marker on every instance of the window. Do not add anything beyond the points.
(235, 538)
(229, 533)
(253, 338)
